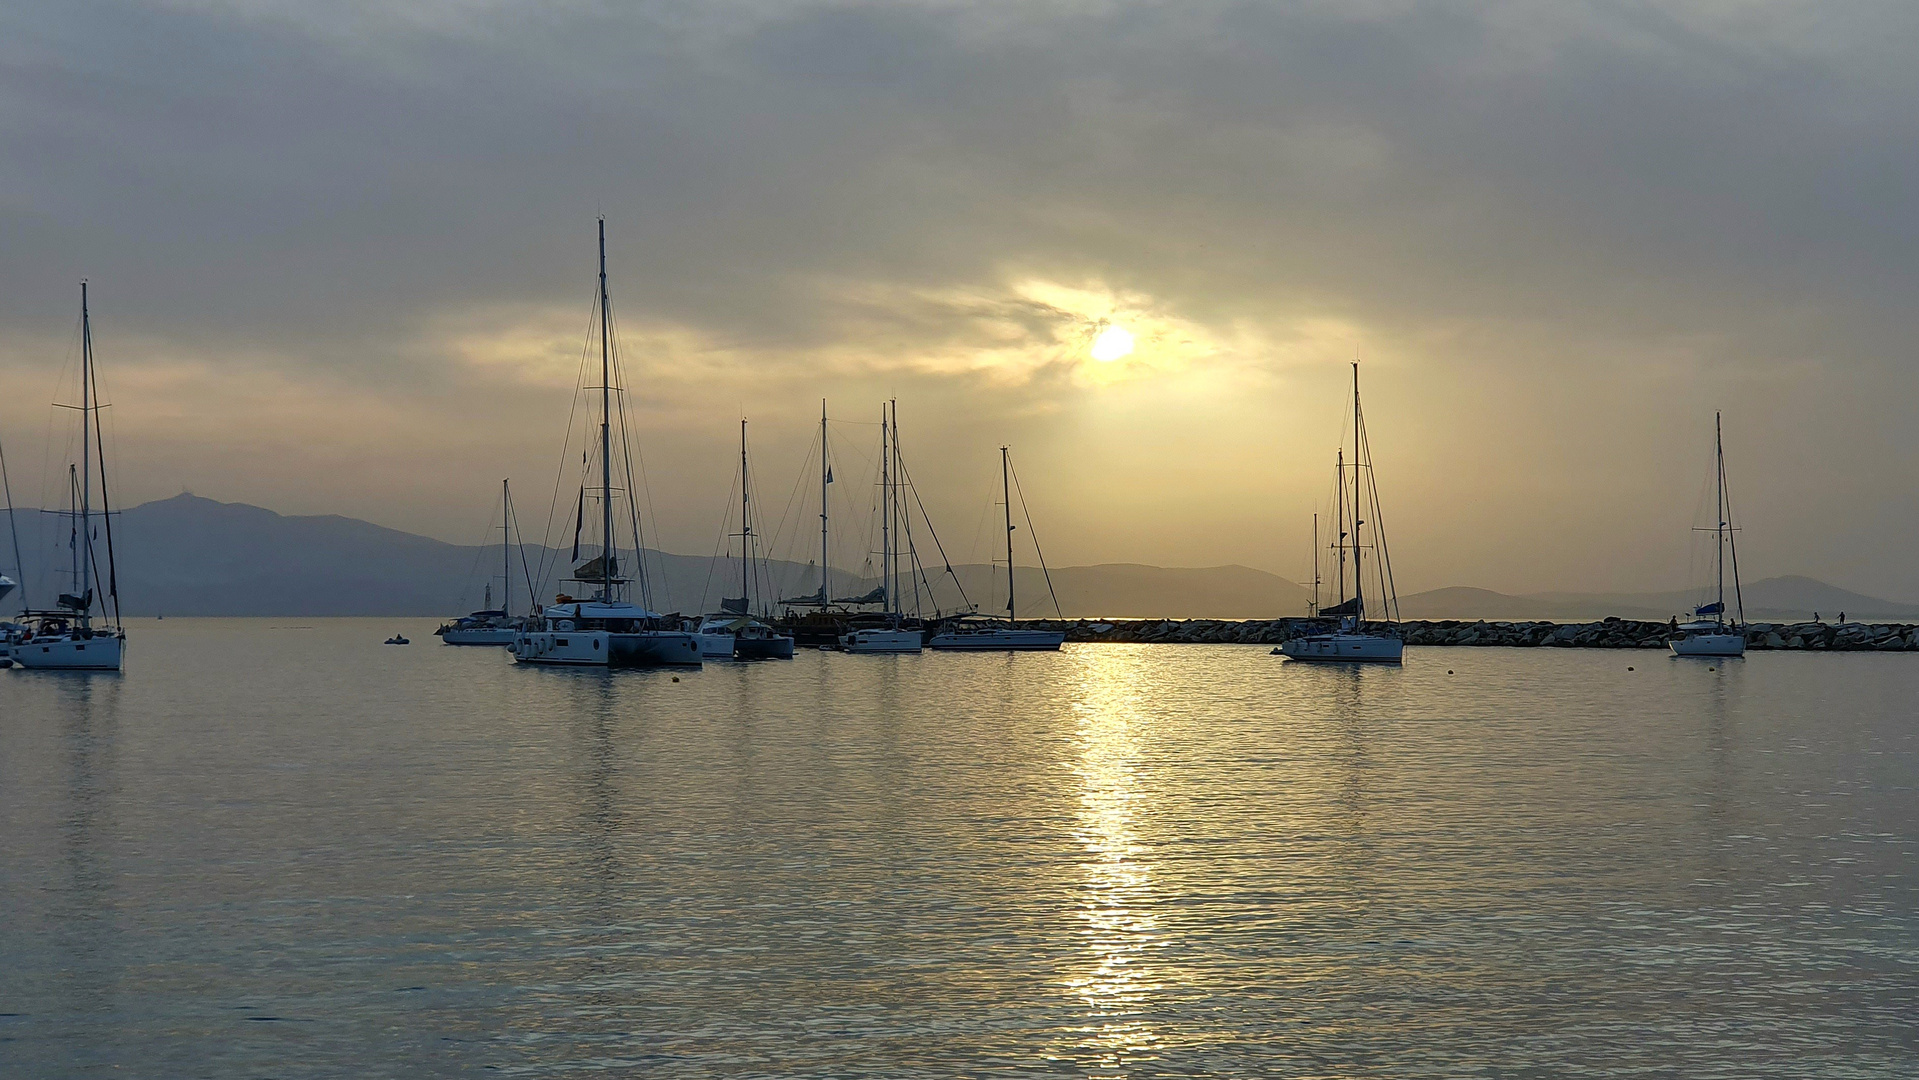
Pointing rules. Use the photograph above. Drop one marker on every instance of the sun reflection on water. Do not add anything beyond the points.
(1120, 927)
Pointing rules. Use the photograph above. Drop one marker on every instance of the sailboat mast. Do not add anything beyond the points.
(826, 473)
(746, 526)
(1006, 494)
(1315, 564)
(886, 512)
(506, 562)
(86, 452)
(606, 443)
(1719, 507)
(1359, 507)
(1339, 519)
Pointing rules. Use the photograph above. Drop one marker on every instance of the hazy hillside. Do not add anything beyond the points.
(193, 556)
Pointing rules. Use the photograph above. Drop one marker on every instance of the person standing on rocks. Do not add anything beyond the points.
(1842, 618)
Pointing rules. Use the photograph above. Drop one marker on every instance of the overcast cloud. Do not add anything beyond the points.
(342, 258)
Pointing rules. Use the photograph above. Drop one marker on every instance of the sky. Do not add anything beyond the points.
(342, 261)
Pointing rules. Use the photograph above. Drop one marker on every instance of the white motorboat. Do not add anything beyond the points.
(70, 636)
(1350, 641)
(1710, 632)
(491, 625)
(605, 629)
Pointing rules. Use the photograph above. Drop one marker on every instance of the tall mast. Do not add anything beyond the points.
(1006, 494)
(826, 477)
(86, 452)
(1359, 507)
(1339, 518)
(886, 513)
(506, 563)
(73, 520)
(1719, 507)
(606, 443)
(746, 526)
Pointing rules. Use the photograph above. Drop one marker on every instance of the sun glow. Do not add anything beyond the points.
(1112, 343)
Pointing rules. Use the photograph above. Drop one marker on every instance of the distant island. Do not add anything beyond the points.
(191, 556)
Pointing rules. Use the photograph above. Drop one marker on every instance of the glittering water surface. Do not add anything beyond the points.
(275, 848)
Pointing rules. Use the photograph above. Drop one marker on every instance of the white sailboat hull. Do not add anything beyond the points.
(490, 635)
(1345, 649)
(1710, 645)
(883, 641)
(715, 646)
(99, 653)
(997, 639)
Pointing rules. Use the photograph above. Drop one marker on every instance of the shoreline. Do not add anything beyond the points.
(1609, 633)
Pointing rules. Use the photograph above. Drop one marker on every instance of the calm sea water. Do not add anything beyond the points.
(279, 848)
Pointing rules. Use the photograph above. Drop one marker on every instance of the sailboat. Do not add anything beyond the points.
(1350, 641)
(892, 635)
(491, 625)
(605, 629)
(1710, 632)
(69, 636)
(733, 632)
(990, 636)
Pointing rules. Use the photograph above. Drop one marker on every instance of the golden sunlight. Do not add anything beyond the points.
(1112, 343)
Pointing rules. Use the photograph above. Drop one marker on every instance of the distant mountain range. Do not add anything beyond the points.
(193, 556)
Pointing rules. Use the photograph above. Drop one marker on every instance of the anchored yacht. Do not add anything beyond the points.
(1709, 632)
(605, 629)
(1350, 641)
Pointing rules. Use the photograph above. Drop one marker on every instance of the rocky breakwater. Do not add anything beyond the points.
(1605, 634)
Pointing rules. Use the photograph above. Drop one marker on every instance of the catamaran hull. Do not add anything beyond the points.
(88, 654)
(715, 646)
(489, 636)
(998, 641)
(1344, 649)
(883, 641)
(763, 648)
(1710, 645)
(598, 648)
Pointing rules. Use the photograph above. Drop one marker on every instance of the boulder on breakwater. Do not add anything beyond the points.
(1609, 633)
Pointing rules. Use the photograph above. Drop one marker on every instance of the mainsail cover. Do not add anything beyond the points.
(877, 596)
(733, 605)
(1716, 608)
(817, 599)
(1350, 607)
(595, 569)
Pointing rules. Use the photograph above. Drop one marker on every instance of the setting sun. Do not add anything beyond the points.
(1112, 343)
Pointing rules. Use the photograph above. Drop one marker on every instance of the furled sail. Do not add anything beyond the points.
(1350, 607)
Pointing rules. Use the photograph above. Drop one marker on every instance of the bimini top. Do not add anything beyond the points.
(598, 609)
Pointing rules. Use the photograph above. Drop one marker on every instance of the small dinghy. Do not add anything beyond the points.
(398, 639)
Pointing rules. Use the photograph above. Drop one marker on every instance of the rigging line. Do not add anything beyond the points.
(1385, 560)
(719, 543)
(779, 530)
(1732, 540)
(1030, 531)
(957, 584)
(549, 557)
(627, 454)
(533, 598)
(13, 527)
(106, 505)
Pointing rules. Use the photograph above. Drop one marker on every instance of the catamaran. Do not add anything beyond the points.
(70, 636)
(1710, 632)
(491, 625)
(1350, 641)
(604, 629)
(893, 635)
(971, 634)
